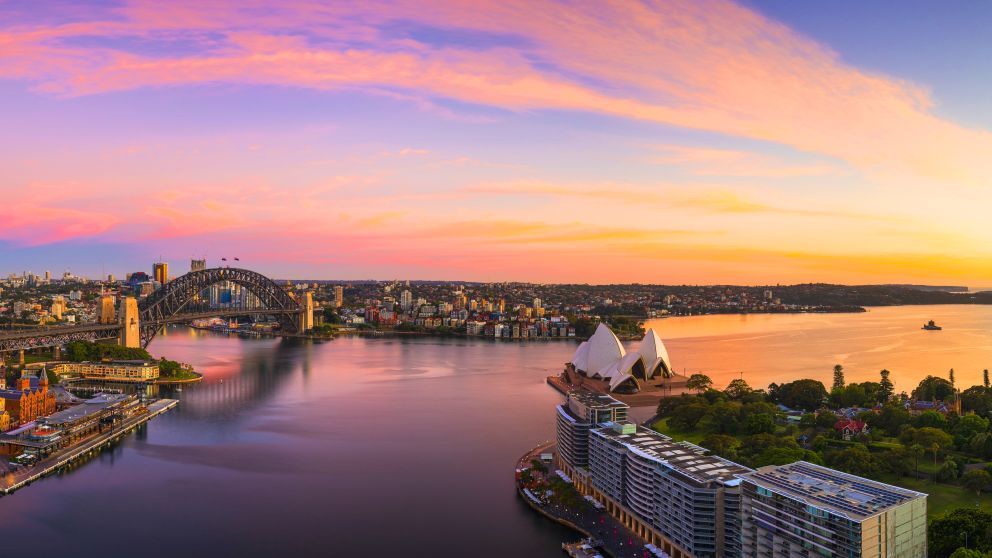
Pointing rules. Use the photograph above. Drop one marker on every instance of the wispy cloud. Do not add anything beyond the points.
(702, 161)
(711, 65)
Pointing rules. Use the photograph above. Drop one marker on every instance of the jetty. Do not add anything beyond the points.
(28, 474)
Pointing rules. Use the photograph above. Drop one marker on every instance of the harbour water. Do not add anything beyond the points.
(387, 446)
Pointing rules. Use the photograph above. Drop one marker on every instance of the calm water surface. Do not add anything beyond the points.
(374, 447)
(782, 347)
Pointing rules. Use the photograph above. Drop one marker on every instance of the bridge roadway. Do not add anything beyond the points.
(31, 338)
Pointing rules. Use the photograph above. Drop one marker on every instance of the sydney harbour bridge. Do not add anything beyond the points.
(178, 301)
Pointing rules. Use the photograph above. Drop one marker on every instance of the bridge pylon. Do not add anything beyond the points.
(305, 322)
(130, 327)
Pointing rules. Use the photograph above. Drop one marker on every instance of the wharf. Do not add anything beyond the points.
(21, 478)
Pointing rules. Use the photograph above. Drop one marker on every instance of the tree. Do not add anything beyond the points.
(977, 480)
(917, 451)
(760, 422)
(331, 316)
(968, 426)
(806, 394)
(948, 471)
(947, 533)
(856, 460)
(584, 327)
(885, 386)
(737, 389)
(932, 419)
(985, 377)
(838, 376)
(897, 460)
(977, 399)
(892, 417)
(950, 376)
(721, 444)
(826, 419)
(699, 382)
(723, 417)
(687, 417)
(963, 552)
(933, 388)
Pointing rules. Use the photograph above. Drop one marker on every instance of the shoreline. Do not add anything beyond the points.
(524, 460)
(160, 381)
(20, 479)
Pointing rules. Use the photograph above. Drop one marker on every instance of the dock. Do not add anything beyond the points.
(25, 476)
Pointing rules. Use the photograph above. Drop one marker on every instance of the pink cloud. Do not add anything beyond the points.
(711, 65)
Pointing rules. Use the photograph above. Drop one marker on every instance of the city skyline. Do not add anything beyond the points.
(706, 142)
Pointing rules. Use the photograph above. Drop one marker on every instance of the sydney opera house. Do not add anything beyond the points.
(603, 364)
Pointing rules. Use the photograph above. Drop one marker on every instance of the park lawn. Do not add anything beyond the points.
(31, 359)
(691, 437)
(942, 498)
(180, 375)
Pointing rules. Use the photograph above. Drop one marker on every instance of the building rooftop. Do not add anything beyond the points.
(595, 400)
(689, 459)
(840, 493)
(84, 409)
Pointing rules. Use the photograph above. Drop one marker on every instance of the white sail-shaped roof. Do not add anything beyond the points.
(622, 370)
(654, 355)
(619, 367)
(581, 357)
(604, 349)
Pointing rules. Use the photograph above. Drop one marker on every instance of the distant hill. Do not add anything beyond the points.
(930, 288)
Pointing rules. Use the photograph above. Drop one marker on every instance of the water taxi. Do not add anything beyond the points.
(931, 326)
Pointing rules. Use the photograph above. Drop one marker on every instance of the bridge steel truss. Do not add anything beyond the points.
(55, 336)
(175, 302)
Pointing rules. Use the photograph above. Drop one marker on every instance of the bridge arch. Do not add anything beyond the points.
(172, 303)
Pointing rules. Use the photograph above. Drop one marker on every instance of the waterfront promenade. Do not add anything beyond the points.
(615, 539)
(649, 395)
(26, 475)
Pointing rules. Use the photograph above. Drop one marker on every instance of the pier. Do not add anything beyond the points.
(25, 476)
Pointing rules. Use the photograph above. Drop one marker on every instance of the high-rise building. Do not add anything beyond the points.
(338, 296)
(582, 411)
(110, 278)
(406, 300)
(160, 272)
(804, 509)
(48, 276)
(537, 303)
(676, 495)
(197, 265)
(105, 309)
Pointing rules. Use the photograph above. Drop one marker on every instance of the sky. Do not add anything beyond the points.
(695, 141)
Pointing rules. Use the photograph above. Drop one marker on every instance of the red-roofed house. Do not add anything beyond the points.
(849, 428)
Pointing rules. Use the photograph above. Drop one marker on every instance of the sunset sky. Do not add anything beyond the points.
(665, 142)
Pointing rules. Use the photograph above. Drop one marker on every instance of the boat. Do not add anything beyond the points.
(931, 326)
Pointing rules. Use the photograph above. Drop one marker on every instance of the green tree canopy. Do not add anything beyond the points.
(885, 386)
(946, 534)
(737, 389)
(977, 480)
(805, 394)
(699, 382)
(838, 376)
(933, 388)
